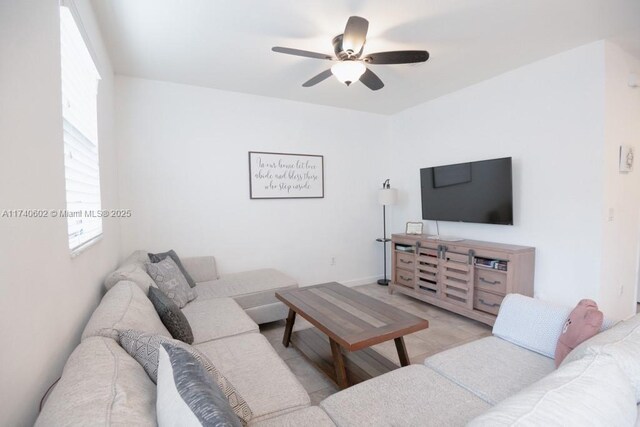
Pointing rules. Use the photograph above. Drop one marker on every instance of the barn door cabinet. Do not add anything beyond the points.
(468, 277)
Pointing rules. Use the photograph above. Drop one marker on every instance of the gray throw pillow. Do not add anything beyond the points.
(186, 394)
(171, 316)
(171, 281)
(144, 347)
(174, 256)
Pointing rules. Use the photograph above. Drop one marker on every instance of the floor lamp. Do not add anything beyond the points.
(386, 196)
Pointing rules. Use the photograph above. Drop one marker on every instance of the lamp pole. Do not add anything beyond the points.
(386, 196)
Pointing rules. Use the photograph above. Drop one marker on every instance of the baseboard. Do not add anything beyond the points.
(358, 282)
(350, 283)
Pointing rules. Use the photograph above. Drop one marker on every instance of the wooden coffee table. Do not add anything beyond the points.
(352, 321)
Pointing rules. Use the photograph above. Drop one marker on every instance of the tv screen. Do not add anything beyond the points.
(477, 192)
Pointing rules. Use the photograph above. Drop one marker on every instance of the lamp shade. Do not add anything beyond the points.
(387, 196)
(348, 71)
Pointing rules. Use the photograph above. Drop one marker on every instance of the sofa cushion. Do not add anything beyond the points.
(591, 391)
(139, 258)
(411, 396)
(211, 319)
(132, 273)
(171, 316)
(258, 373)
(622, 342)
(260, 299)
(249, 282)
(171, 281)
(155, 258)
(268, 312)
(201, 268)
(491, 368)
(187, 396)
(531, 323)
(144, 348)
(124, 306)
(132, 269)
(312, 416)
(101, 385)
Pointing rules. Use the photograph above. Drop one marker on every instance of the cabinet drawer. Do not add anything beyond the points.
(406, 261)
(404, 278)
(456, 257)
(492, 281)
(487, 302)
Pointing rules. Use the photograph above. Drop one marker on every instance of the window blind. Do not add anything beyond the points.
(80, 125)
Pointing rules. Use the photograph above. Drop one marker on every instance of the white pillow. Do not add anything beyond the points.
(531, 323)
(592, 391)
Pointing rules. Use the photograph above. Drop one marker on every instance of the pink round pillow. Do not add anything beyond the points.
(584, 322)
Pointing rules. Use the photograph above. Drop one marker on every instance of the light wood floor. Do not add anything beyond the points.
(446, 330)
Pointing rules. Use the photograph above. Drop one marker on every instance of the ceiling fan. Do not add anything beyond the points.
(350, 65)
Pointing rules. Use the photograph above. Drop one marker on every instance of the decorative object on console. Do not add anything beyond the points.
(626, 158)
(172, 317)
(414, 227)
(155, 258)
(386, 196)
(584, 322)
(144, 348)
(187, 396)
(171, 281)
(285, 176)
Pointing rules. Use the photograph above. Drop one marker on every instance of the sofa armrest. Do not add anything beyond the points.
(201, 268)
(531, 323)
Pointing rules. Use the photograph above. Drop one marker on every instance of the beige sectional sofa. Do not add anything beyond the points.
(506, 379)
(253, 290)
(102, 385)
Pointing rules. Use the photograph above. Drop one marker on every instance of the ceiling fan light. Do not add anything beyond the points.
(348, 72)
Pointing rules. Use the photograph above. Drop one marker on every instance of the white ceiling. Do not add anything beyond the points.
(226, 44)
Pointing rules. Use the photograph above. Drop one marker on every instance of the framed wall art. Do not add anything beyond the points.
(414, 228)
(285, 176)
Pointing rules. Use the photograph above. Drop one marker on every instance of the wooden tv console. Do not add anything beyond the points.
(468, 277)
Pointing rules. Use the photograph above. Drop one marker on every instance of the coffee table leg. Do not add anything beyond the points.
(402, 352)
(338, 364)
(291, 318)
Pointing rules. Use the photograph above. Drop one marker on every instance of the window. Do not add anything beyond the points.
(80, 123)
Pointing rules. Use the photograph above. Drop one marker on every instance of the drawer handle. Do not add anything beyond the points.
(489, 282)
(406, 262)
(487, 304)
(405, 278)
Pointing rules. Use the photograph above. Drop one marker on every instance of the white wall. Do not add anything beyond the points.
(184, 173)
(622, 190)
(183, 155)
(45, 296)
(548, 116)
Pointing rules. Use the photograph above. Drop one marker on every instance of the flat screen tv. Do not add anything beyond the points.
(479, 192)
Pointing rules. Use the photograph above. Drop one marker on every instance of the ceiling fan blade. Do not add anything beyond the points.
(397, 57)
(298, 52)
(317, 79)
(371, 80)
(355, 34)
